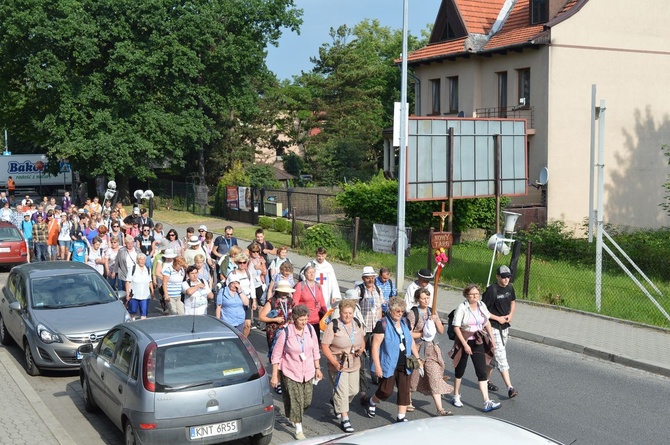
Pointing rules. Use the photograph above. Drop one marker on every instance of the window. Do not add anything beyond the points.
(124, 354)
(108, 344)
(453, 94)
(435, 90)
(524, 87)
(502, 94)
(539, 11)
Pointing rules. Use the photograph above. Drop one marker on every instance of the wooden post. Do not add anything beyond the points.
(357, 221)
(430, 249)
(526, 273)
(293, 228)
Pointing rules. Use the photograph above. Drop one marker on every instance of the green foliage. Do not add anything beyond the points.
(265, 222)
(119, 86)
(237, 176)
(299, 228)
(377, 200)
(282, 225)
(262, 176)
(293, 164)
(320, 235)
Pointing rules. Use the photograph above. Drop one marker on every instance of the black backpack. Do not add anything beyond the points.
(336, 327)
(450, 328)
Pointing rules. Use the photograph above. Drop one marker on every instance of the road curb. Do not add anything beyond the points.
(57, 430)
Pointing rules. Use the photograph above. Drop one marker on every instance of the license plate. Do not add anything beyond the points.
(4, 249)
(215, 429)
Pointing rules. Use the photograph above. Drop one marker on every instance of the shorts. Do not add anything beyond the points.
(65, 243)
(142, 305)
(500, 353)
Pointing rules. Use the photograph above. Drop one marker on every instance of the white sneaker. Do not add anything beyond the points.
(456, 401)
(490, 405)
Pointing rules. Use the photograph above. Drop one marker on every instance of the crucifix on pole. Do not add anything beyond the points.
(442, 215)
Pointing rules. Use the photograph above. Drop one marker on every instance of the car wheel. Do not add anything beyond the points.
(31, 367)
(129, 433)
(260, 439)
(89, 403)
(5, 339)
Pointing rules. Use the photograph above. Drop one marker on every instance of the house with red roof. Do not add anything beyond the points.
(537, 60)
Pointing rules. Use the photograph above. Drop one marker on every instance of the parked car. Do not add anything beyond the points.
(457, 429)
(52, 308)
(179, 380)
(13, 247)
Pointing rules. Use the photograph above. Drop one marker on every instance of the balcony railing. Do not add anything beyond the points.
(509, 113)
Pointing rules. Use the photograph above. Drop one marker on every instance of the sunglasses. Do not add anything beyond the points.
(146, 231)
(200, 231)
(115, 227)
(171, 234)
(241, 262)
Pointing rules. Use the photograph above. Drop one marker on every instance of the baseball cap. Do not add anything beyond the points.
(504, 272)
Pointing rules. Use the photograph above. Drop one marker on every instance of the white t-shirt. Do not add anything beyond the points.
(93, 255)
(196, 303)
(139, 283)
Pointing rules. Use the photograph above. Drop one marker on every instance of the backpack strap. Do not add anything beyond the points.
(415, 311)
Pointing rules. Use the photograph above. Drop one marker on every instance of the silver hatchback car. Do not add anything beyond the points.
(179, 380)
(52, 308)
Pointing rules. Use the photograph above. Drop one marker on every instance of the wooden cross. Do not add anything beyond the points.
(443, 215)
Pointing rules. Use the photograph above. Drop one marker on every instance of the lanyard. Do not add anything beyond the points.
(284, 308)
(371, 298)
(352, 336)
(301, 340)
(313, 292)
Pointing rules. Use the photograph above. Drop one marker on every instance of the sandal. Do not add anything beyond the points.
(444, 412)
(346, 426)
(410, 408)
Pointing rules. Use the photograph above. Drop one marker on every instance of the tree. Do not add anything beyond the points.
(119, 87)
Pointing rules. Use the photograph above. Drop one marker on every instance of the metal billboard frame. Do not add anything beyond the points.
(466, 158)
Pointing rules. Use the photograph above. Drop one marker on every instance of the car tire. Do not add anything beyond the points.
(260, 439)
(5, 338)
(31, 367)
(129, 434)
(89, 403)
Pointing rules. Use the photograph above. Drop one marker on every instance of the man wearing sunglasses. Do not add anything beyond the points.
(146, 244)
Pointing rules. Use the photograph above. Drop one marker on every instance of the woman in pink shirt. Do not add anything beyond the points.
(296, 355)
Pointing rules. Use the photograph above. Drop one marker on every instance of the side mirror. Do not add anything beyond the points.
(15, 306)
(85, 349)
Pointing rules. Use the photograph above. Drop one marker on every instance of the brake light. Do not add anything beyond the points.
(149, 368)
(23, 251)
(252, 352)
(148, 426)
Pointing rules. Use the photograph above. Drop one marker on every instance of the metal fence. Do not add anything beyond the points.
(183, 196)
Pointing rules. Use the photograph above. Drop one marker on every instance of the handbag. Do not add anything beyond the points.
(412, 363)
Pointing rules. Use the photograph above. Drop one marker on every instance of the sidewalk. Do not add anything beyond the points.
(619, 341)
(26, 418)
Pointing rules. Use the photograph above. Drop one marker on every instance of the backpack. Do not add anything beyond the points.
(285, 329)
(361, 292)
(337, 328)
(450, 328)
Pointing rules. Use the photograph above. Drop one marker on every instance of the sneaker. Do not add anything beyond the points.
(399, 420)
(371, 411)
(346, 426)
(490, 405)
(456, 401)
(492, 387)
(299, 436)
(512, 392)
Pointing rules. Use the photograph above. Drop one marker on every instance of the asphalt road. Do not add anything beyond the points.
(567, 396)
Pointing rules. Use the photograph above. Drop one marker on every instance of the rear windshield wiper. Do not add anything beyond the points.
(189, 386)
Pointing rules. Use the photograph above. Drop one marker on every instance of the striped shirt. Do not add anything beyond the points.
(173, 280)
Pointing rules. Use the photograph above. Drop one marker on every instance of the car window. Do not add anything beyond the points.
(221, 362)
(124, 354)
(10, 234)
(108, 344)
(11, 284)
(81, 289)
(20, 291)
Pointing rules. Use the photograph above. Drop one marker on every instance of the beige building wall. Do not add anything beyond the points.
(626, 54)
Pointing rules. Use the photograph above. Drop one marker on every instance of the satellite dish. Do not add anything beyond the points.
(138, 194)
(544, 176)
(148, 194)
(496, 243)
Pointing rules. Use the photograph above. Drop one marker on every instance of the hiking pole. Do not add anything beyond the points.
(339, 372)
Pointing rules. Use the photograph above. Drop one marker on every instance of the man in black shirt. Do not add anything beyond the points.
(500, 300)
(266, 246)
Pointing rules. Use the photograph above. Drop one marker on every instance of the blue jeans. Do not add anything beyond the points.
(40, 251)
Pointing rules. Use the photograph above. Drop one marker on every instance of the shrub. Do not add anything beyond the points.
(299, 228)
(320, 235)
(282, 225)
(265, 222)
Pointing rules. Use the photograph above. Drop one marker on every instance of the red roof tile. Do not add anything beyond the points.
(479, 16)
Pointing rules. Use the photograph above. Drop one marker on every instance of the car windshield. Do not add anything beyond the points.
(82, 289)
(214, 363)
(9, 234)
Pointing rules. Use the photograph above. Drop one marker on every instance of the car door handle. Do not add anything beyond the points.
(102, 376)
(120, 389)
